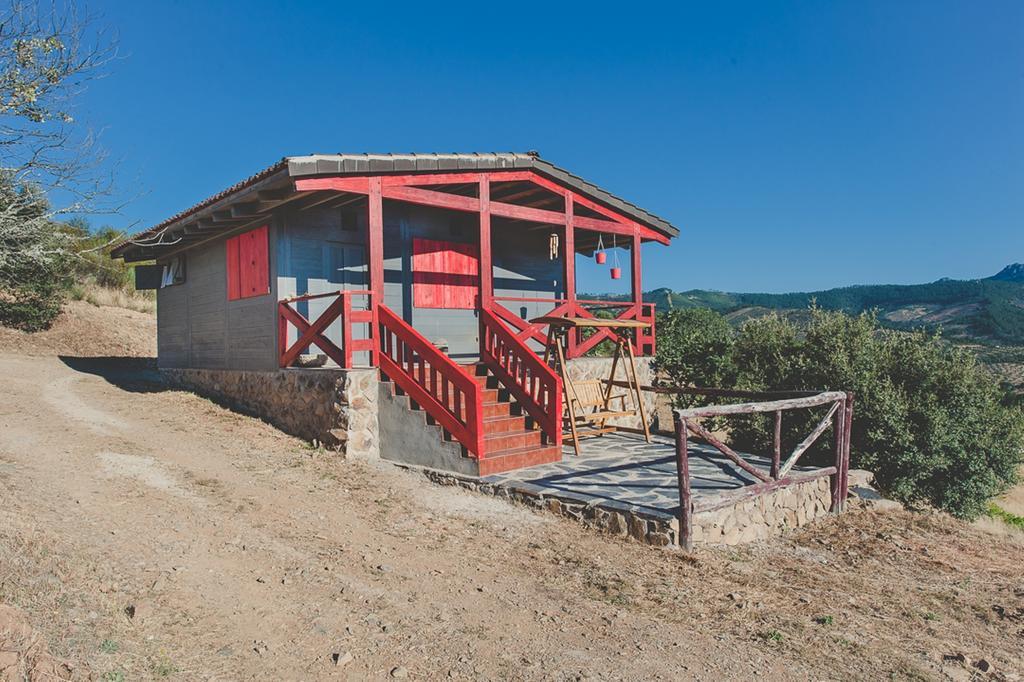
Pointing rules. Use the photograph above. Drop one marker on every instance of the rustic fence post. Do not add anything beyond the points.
(847, 429)
(683, 478)
(777, 452)
(839, 429)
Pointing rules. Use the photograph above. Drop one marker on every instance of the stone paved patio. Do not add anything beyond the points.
(620, 470)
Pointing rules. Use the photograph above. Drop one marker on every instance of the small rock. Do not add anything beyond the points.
(343, 658)
(384, 568)
(957, 658)
(261, 579)
(399, 672)
(983, 665)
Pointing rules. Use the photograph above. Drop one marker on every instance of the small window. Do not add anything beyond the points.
(248, 264)
(173, 272)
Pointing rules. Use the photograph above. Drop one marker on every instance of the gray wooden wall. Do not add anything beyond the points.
(319, 250)
(197, 326)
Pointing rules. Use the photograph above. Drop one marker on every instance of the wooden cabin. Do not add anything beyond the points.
(426, 267)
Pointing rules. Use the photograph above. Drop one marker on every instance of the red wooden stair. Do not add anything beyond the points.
(504, 411)
(510, 439)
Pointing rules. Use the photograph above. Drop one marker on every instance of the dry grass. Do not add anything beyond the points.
(105, 297)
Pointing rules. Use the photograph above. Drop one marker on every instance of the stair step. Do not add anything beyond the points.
(486, 380)
(510, 441)
(518, 458)
(496, 409)
(504, 423)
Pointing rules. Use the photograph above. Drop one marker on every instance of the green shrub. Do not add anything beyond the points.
(32, 292)
(928, 420)
(695, 348)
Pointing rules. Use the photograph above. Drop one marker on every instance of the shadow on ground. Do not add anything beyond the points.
(134, 374)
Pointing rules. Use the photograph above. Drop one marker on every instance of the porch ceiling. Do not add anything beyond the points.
(252, 201)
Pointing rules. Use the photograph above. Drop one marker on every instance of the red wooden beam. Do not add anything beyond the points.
(375, 246)
(429, 197)
(638, 291)
(570, 266)
(536, 178)
(359, 185)
(486, 268)
(616, 223)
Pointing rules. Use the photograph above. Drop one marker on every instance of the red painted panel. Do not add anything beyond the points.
(248, 264)
(445, 274)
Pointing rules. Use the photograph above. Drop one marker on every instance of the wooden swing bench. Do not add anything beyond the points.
(590, 403)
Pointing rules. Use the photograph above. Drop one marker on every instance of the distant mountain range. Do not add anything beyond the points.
(989, 310)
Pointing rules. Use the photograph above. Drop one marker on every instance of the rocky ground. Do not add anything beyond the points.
(148, 533)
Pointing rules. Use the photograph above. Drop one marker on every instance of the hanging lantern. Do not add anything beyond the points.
(616, 268)
(600, 256)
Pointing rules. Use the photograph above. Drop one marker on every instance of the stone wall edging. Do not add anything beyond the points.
(335, 407)
(747, 520)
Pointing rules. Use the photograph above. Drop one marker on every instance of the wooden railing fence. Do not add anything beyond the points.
(313, 333)
(536, 386)
(434, 381)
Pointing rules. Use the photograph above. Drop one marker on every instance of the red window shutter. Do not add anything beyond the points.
(445, 274)
(249, 264)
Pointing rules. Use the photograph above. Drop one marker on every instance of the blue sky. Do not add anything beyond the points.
(798, 146)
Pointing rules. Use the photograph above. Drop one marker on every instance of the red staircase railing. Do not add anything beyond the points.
(533, 383)
(312, 333)
(429, 377)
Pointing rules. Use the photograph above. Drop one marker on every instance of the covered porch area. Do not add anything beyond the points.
(437, 248)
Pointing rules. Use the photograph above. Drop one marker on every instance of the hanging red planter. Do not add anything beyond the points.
(601, 257)
(616, 270)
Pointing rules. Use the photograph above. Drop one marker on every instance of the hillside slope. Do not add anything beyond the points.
(978, 310)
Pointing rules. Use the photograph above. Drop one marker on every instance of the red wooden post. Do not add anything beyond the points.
(683, 479)
(638, 291)
(375, 252)
(346, 329)
(570, 267)
(486, 269)
(777, 452)
(282, 333)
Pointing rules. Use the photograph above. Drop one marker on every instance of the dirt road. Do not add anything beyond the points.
(148, 533)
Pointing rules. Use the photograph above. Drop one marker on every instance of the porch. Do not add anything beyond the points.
(442, 305)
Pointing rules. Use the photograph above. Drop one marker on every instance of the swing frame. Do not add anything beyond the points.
(582, 421)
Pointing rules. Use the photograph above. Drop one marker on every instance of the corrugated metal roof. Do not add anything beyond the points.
(373, 164)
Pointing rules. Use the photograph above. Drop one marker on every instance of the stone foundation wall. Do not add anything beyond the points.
(760, 517)
(584, 369)
(744, 521)
(335, 407)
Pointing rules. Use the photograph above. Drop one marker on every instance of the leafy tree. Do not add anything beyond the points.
(695, 348)
(47, 56)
